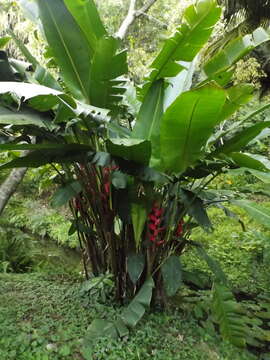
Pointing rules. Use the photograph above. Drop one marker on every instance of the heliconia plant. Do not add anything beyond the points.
(135, 193)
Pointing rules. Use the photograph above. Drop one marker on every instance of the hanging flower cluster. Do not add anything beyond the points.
(156, 231)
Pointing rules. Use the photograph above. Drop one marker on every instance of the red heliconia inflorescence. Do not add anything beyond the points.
(154, 225)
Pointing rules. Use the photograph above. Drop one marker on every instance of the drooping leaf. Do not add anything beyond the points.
(130, 149)
(25, 117)
(187, 124)
(101, 328)
(4, 41)
(256, 162)
(237, 96)
(138, 216)
(180, 83)
(263, 176)
(136, 309)
(135, 266)
(195, 207)
(41, 75)
(69, 45)
(229, 315)
(6, 73)
(66, 193)
(172, 275)
(213, 265)
(39, 97)
(86, 15)
(148, 121)
(232, 52)
(258, 212)
(242, 138)
(119, 180)
(37, 158)
(197, 25)
(108, 65)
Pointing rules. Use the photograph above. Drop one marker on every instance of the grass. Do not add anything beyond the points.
(44, 318)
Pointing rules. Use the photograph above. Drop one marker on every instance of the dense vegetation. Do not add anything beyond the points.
(152, 187)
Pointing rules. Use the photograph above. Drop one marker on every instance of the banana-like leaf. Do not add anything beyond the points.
(195, 208)
(128, 319)
(41, 75)
(64, 194)
(187, 124)
(138, 216)
(251, 161)
(172, 275)
(214, 266)
(4, 41)
(135, 266)
(59, 154)
(237, 96)
(180, 83)
(259, 213)
(136, 309)
(232, 52)
(148, 122)
(242, 138)
(229, 315)
(69, 45)
(130, 149)
(86, 15)
(25, 117)
(106, 76)
(6, 73)
(197, 25)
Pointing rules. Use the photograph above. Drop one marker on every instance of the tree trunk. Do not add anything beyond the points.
(132, 15)
(10, 185)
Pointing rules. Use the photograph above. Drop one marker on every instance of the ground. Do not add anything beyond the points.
(45, 317)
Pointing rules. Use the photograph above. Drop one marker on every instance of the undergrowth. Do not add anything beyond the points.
(44, 319)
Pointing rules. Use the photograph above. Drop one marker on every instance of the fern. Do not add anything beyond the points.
(229, 315)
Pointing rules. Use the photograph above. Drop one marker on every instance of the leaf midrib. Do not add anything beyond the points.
(68, 54)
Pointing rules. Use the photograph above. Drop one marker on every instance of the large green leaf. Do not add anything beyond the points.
(3, 41)
(135, 266)
(41, 75)
(39, 97)
(229, 315)
(237, 96)
(136, 309)
(197, 25)
(214, 265)
(242, 138)
(86, 15)
(187, 124)
(130, 149)
(257, 212)
(148, 121)
(6, 73)
(195, 208)
(66, 193)
(69, 45)
(108, 65)
(172, 275)
(232, 52)
(138, 216)
(59, 154)
(256, 162)
(24, 117)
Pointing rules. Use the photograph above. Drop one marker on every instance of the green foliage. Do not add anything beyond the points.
(229, 316)
(45, 319)
(243, 255)
(16, 250)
